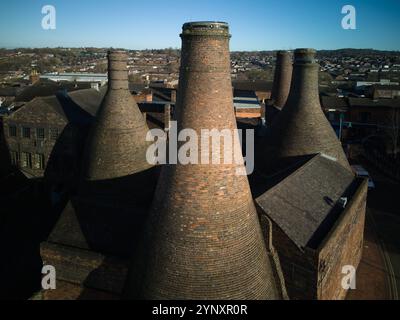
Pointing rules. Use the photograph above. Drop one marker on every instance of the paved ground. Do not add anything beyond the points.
(384, 204)
(383, 235)
(372, 276)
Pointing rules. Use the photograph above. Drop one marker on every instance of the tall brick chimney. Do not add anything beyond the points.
(117, 142)
(282, 78)
(301, 128)
(203, 238)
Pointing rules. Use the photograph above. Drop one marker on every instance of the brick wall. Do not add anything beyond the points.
(41, 116)
(342, 246)
(317, 274)
(299, 268)
(5, 165)
(83, 274)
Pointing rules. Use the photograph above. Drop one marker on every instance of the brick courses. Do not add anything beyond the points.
(301, 128)
(117, 142)
(203, 238)
(282, 78)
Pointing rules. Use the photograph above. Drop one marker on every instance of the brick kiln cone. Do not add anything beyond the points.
(203, 238)
(282, 78)
(302, 128)
(117, 144)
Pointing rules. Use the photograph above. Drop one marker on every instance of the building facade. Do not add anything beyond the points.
(31, 134)
(318, 230)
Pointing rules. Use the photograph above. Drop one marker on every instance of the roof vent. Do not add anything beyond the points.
(343, 202)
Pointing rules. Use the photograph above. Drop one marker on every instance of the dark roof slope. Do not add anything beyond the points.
(386, 87)
(45, 88)
(333, 103)
(237, 93)
(301, 203)
(137, 87)
(88, 99)
(76, 107)
(9, 91)
(40, 107)
(382, 103)
(81, 106)
(252, 85)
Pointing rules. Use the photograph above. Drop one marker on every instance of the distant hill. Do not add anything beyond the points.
(61, 50)
(357, 52)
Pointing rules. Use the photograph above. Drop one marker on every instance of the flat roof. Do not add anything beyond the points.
(246, 103)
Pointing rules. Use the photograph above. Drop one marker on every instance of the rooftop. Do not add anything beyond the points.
(303, 202)
(44, 88)
(365, 102)
(252, 85)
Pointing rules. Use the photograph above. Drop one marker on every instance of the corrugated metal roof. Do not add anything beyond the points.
(246, 102)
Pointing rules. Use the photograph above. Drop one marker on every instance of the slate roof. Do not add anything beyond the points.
(45, 88)
(81, 106)
(302, 202)
(252, 85)
(137, 87)
(88, 99)
(334, 103)
(76, 107)
(9, 91)
(386, 87)
(382, 103)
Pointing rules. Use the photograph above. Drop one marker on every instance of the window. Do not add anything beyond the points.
(14, 158)
(38, 162)
(26, 132)
(54, 133)
(12, 131)
(40, 133)
(24, 159)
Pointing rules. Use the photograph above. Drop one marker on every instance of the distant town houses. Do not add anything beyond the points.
(359, 88)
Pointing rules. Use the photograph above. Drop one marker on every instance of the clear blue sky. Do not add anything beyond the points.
(255, 24)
